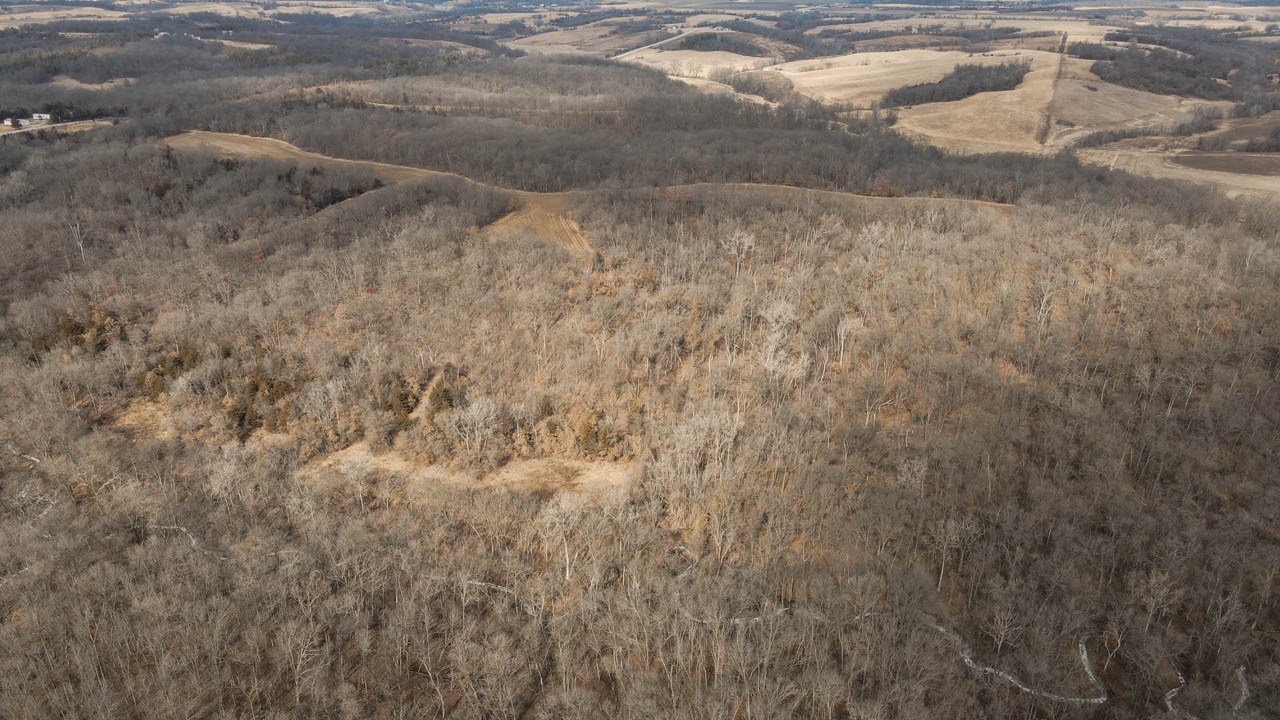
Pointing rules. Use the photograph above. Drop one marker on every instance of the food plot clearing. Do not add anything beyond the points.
(546, 216)
(542, 215)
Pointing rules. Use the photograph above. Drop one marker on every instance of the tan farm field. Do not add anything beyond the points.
(66, 81)
(861, 79)
(1152, 158)
(1076, 30)
(598, 38)
(225, 9)
(992, 121)
(1091, 106)
(15, 16)
(697, 64)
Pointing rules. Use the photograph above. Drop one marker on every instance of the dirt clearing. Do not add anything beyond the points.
(543, 215)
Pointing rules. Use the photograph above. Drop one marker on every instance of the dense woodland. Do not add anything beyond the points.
(890, 457)
(1191, 62)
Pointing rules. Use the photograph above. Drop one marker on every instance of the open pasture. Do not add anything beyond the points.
(862, 79)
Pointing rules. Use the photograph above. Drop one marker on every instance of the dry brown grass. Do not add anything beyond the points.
(1237, 130)
(143, 420)
(718, 88)
(697, 64)
(1092, 106)
(248, 146)
(20, 15)
(1153, 158)
(572, 481)
(596, 38)
(70, 82)
(240, 45)
(227, 9)
(990, 121)
(1077, 30)
(336, 9)
(861, 79)
(567, 481)
(543, 215)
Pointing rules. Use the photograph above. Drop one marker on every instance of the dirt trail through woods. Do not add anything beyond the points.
(544, 215)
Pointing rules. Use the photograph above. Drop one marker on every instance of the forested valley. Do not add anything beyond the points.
(820, 423)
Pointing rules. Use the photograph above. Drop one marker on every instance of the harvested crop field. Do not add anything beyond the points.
(1242, 130)
(1232, 162)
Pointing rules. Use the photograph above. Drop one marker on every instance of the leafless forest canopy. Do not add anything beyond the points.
(822, 423)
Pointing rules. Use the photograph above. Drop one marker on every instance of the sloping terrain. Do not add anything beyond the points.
(1092, 105)
(862, 79)
(543, 215)
(1009, 121)
(1152, 159)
